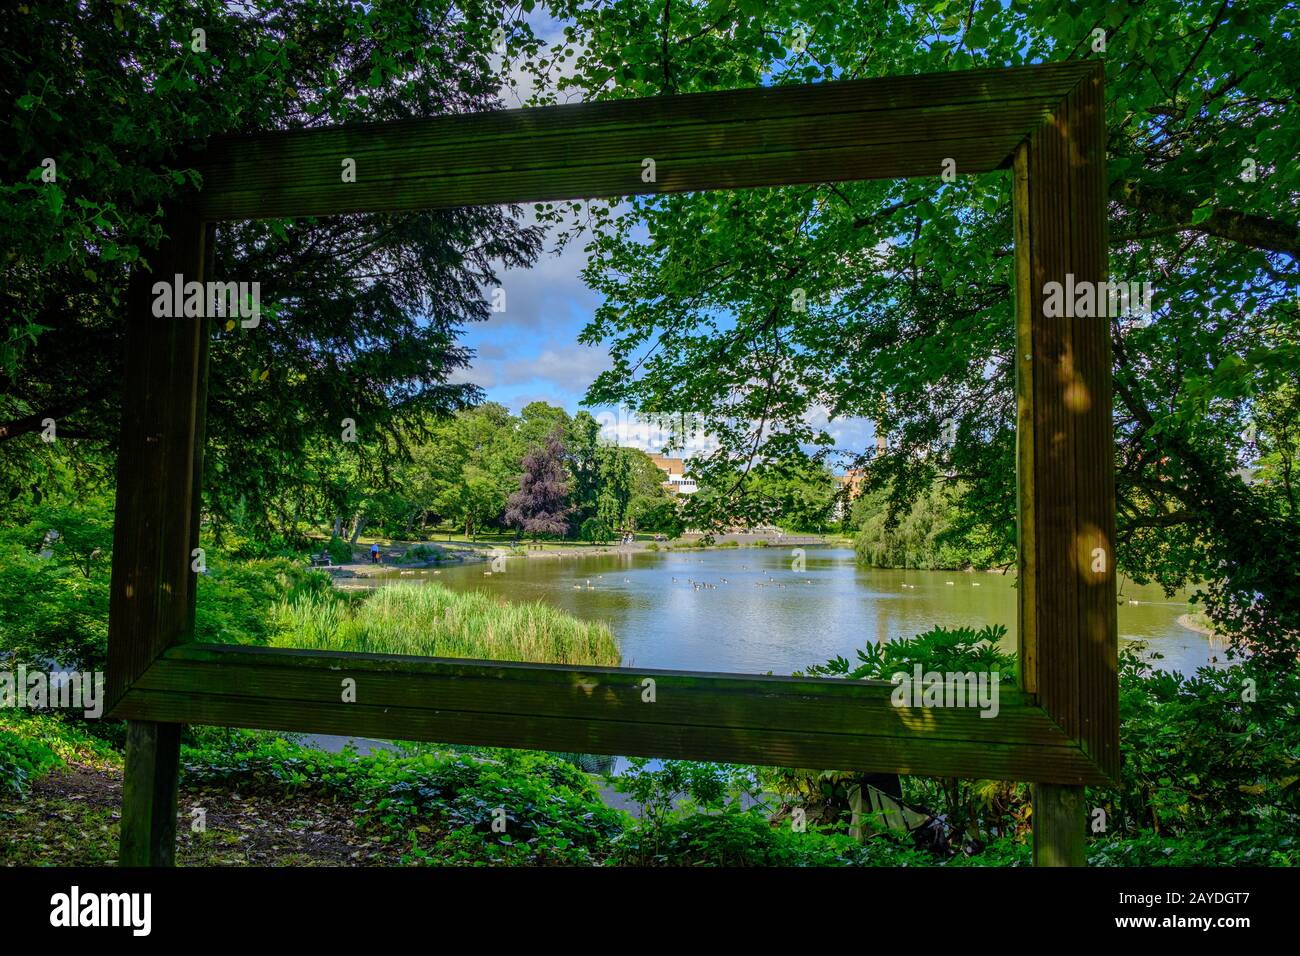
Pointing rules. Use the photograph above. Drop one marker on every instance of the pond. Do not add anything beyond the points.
(747, 611)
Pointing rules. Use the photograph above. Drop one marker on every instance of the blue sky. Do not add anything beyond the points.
(530, 352)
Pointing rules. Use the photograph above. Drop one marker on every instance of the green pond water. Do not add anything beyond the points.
(759, 615)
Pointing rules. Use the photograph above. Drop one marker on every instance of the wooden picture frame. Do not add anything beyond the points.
(1059, 729)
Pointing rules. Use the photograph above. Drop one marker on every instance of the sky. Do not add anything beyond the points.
(530, 351)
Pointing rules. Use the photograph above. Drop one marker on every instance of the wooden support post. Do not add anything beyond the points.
(1065, 450)
(1060, 825)
(156, 527)
(149, 793)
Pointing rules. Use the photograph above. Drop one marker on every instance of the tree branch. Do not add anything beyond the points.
(1258, 232)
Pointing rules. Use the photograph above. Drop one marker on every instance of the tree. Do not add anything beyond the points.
(615, 485)
(360, 313)
(929, 535)
(585, 458)
(541, 505)
(908, 285)
(658, 516)
(477, 457)
(537, 422)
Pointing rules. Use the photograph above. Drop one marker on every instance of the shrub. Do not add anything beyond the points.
(235, 598)
(1197, 757)
(340, 551)
(658, 516)
(438, 805)
(421, 552)
(741, 838)
(21, 762)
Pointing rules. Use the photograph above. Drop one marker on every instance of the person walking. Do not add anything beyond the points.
(374, 553)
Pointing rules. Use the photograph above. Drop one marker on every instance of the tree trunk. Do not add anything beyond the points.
(356, 532)
(338, 526)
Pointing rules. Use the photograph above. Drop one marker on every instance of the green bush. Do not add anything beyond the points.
(742, 838)
(595, 531)
(1265, 846)
(54, 591)
(21, 762)
(236, 598)
(1206, 768)
(657, 516)
(438, 806)
(340, 551)
(1198, 757)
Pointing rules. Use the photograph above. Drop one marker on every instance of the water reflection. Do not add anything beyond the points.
(747, 611)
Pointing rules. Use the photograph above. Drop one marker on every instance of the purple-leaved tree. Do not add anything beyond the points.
(541, 505)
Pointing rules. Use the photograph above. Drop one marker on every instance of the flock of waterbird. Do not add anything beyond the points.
(586, 585)
(695, 585)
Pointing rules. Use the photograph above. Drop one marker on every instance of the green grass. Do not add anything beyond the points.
(431, 620)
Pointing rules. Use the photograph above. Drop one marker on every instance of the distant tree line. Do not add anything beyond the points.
(541, 473)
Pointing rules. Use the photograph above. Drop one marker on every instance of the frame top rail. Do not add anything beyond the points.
(883, 128)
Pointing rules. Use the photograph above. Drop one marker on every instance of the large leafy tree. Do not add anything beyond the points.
(907, 284)
(360, 312)
(484, 453)
(541, 505)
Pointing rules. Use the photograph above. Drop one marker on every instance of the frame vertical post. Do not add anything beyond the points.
(156, 522)
(1065, 450)
(1059, 822)
(149, 793)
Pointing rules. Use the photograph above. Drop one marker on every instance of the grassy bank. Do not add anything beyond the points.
(431, 620)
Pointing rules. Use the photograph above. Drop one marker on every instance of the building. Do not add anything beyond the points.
(847, 488)
(675, 479)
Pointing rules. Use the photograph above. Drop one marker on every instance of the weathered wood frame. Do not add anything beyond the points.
(1059, 729)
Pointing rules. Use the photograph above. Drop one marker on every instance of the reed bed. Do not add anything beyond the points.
(431, 620)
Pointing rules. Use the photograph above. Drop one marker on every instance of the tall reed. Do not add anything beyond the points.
(432, 621)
